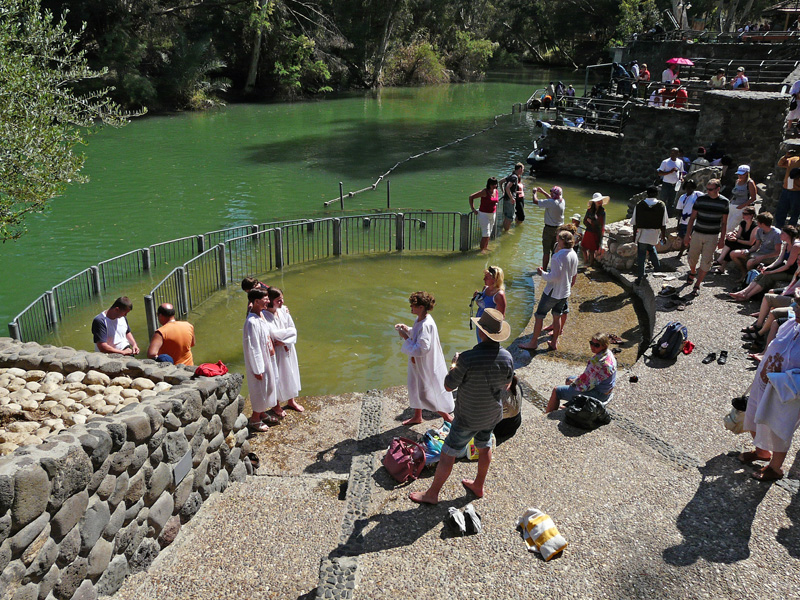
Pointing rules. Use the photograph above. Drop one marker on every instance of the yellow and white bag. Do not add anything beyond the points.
(540, 533)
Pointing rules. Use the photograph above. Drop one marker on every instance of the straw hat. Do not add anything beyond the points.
(598, 197)
(491, 323)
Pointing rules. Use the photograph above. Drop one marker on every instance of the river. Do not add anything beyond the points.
(164, 177)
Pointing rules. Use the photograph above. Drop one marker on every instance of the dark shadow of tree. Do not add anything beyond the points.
(716, 523)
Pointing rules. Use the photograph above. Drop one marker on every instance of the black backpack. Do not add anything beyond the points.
(586, 412)
(671, 342)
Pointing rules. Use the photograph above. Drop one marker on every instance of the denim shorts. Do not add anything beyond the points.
(568, 392)
(547, 304)
(458, 438)
(508, 208)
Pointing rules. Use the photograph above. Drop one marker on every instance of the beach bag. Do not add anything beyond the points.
(671, 342)
(512, 399)
(586, 412)
(432, 441)
(211, 369)
(404, 459)
(734, 421)
(540, 533)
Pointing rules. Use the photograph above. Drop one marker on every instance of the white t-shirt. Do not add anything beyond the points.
(111, 331)
(667, 76)
(666, 165)
(685, 204)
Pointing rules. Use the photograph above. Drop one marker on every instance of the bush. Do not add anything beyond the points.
(416, 64)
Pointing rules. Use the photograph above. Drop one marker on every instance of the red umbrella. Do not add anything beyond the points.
(680, 61)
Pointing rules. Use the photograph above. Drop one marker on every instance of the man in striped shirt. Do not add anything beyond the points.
(705, 232)
(481, 376)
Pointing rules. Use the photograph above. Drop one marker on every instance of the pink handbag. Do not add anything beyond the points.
(404, 459)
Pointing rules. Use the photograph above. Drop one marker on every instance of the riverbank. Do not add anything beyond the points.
(652, 505)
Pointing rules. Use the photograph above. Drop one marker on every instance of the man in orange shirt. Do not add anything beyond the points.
(789, 201)
(173, 341)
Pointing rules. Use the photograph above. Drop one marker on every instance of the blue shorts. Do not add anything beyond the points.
(547, 304)
(682, 227)
(568, 392)
(458, 438)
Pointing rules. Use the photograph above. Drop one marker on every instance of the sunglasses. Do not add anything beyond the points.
(595, 344)
(492, 271)
(711, 187)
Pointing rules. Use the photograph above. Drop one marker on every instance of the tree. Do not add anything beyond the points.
(42, 119)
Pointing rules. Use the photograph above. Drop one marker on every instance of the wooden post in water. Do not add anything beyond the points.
(464, 237)
(399, 241)
(183, 292)
(223, 272)
(13, 330)
(150, 315)
(278, 248)
(337, 237)
(145, 259)
(341, 195)
(388, 194)
(201, 244)
(95, 279)
(52, 313)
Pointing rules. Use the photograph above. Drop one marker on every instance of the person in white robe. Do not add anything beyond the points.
(259, 361)
(773, 408)
(426, 365)
(284, 337)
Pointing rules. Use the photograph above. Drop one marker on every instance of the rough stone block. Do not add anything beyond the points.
(170, 531)
(191, 506)
(115, 523)
(175, 446)
(28, 591)
(239, 472)
(157, 483)
(144, 555)
(155, 416)
(160, 512)
(6, 493)
(191, 408)
(138, 427)
(172, 422)
(99, 557)
(114, 575)
(120, 488)
(98, 477)
(210, 406)
(216, 442)
(31, 492)
(139, 534)
(25, 536)
(5, 527)
(5, 555)
(200, 472)
(157, 438)
(121, 460)
(69, 547)
(97, 444)
(233, 458)
(136, 487)
(71, 578)
(86, 589)
(106, 488)
(229, 416)
(93, 523)
(48, 581)
(69, 514)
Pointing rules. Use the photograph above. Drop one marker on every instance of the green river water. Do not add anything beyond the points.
(166, 177)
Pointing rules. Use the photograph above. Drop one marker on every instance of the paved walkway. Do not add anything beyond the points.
(652, 504)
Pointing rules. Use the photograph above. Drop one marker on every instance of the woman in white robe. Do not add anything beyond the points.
(426, 365)
(284, 337)
(259, 361)
(769, 418)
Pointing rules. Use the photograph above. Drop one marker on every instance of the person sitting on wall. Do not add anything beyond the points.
(173, 341)
(111, 332)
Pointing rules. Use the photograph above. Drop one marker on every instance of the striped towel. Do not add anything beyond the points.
(540, 533)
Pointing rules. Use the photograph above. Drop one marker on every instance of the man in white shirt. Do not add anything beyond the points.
(649, 222)
(671, 172)
(560, 279)
(111, 332)
(668, 75)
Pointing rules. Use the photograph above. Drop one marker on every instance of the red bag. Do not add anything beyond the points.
(404, 459)
(211, 369)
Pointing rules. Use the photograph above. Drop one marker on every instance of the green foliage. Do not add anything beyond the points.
(470, 57)
(415, 64)
(297, 69)
(41, 117)
(636, 16)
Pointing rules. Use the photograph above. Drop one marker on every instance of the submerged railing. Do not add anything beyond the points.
(210, 261)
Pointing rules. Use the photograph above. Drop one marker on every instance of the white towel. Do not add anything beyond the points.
(540, 533)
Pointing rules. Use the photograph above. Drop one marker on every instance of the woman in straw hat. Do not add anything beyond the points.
(426, 365)
(595, 222)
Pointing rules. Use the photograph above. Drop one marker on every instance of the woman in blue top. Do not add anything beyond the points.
(493, 294)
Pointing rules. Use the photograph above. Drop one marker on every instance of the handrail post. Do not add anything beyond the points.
(145, 259)
(388, 194)
(337, 237)
(51, 307)
(150, 315)
(183, 291)
(13, 330)
(399, 236)
(95, 279)
(278, 248)
(463, 243)
(341, 195)
(253, 228)
(223, 273)
(201, 244)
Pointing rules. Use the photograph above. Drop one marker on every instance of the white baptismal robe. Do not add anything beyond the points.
(282, 329)
(427, 371)
(769, 414)
(259, 359)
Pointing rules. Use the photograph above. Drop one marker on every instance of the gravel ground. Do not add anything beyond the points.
(652, 505)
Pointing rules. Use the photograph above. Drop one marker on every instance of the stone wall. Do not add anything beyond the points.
(98, 501)
(735, 120)
(631, 158)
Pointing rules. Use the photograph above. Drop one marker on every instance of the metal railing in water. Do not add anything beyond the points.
(210, 260)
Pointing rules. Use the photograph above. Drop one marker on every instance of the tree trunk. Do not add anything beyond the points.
(380, 57)
(252, 73)
(531, 48)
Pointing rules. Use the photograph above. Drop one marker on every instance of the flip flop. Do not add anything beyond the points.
(767, 474)
(723, 357)
(750, 456)
(270, 419)
(614, 339)
(712, 356)
(257, 427)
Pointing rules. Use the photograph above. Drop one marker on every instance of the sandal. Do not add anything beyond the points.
(695, 292)
(723, 357)
(614, 339)
(753, 335)
(254, 460)
(751, 329)
(690, 278)
(750, 456)
(257, 427)
(270, 419)
(767, 474)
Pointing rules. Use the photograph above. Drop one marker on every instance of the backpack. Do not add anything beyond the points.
(404, 459)
(670, 344)
(586, 412)
(211, 369)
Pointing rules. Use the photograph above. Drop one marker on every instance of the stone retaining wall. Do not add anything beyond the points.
(98, 501)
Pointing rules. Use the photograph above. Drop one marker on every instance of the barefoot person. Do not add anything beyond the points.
(426, 365)
(284, 337)
(493, 294)
(481, 375)
(487, 210)
(259, 362)
(560, 279)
